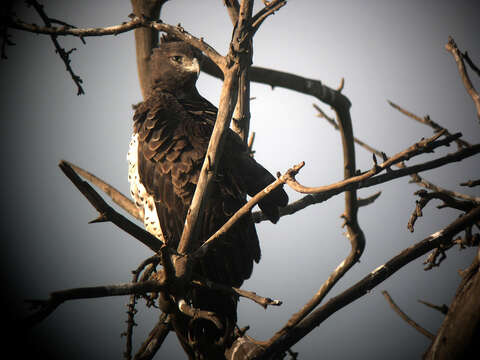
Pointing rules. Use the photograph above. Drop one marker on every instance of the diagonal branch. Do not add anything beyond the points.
(364, 286)
(415, 177)
(470, 63)
(375, 180)
(260, 300)
(269, 9)
(426, 120)
(245, 209)
(451, 47)
(107, 213)
(423, 146)
(117, 197)
(237, 60)
(405, 317)
(155, 339)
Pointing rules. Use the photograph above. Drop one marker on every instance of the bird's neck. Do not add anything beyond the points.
(180, 93)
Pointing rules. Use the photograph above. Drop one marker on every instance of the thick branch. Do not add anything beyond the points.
(212, 157)
(459, 334)
(245, 209)
(155, 339)
(146, 39)
(237, 62)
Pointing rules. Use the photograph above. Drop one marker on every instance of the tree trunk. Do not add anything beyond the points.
(459, 335)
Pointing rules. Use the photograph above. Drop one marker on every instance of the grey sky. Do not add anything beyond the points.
(384, 49)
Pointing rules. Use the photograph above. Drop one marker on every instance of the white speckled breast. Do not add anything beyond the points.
(143, 200)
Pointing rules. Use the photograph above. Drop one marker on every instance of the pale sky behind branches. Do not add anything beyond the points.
(384, 49)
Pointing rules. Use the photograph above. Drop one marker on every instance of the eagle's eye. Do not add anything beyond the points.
(177, 58)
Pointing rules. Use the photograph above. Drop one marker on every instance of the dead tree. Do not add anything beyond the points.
(169, 271)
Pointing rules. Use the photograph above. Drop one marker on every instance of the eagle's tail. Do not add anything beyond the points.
(255, 178)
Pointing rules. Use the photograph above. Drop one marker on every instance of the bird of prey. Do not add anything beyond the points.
(171, 132)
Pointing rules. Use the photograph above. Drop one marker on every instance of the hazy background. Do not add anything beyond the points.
(384, 50)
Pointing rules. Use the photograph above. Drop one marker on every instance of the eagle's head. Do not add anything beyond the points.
(175, 66)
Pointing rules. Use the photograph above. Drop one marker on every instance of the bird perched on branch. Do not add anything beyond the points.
(171, 132)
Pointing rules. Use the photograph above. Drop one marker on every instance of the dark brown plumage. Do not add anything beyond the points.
(172, 129)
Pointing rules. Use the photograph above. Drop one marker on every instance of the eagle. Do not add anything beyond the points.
(171, 132)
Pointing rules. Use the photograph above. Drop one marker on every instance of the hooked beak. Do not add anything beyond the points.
(194, 66)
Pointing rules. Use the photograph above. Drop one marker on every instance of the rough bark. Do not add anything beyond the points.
(459, 335)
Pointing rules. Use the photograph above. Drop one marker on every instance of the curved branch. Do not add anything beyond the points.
(423, 146)
(405, 317)
(375, 180)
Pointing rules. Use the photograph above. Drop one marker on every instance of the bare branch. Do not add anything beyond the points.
(107, 213)
(448, 201)
(64, 55)
(262, 301)
(5, 13)
(121, 200)
(430, 186)
(135, 23)
(308, 200)
(341, 106)
(427, 121)
(443, 309)
(415, 177)
(238, 60)
(370, 281)
(471, 183)
(469, 61)
(368, 200)
(46, 307)
(423, 146)
(145, 39)
(233, 7)
(199, 314)
(269, 9)
(155, 339)
(131, 312)
(332, 122)
(245, 209)
(18, 24)
(451, 47)
(405, 317)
